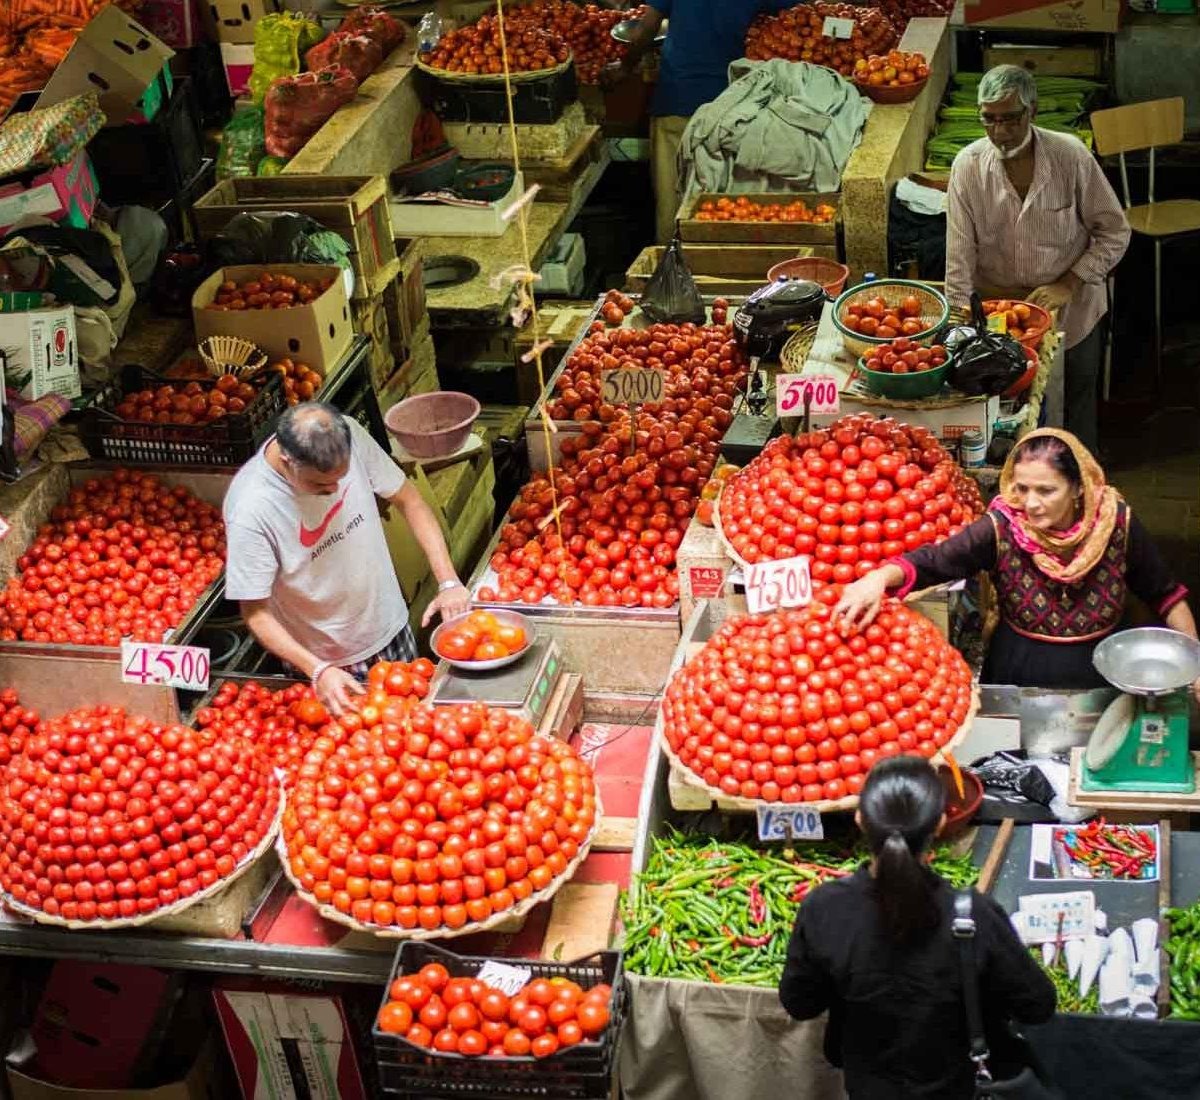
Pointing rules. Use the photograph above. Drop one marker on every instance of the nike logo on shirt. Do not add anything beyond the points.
(310, 537)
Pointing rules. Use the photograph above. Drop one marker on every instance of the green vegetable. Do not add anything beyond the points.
(723, 911)
(1183, 946)
(1067, 988)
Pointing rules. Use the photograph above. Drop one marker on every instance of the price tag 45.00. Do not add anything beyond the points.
(177, 666)
(774, 584)
(793, 390)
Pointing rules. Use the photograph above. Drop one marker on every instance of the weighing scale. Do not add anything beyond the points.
(525, 686)
(1141, 740)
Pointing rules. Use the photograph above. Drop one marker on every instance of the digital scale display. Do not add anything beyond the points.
(525, 686)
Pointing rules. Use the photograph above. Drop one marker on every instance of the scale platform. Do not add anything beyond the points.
(525, 686)
(1147, 802)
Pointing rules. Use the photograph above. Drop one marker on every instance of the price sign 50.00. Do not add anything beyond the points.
(633, 386)
(774, 584)
(792, 390)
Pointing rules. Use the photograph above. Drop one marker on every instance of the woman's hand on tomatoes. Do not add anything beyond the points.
(860, 601)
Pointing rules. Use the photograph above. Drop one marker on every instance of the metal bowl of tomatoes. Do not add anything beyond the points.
(481, 641)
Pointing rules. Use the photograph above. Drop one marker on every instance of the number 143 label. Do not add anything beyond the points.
(177, 666)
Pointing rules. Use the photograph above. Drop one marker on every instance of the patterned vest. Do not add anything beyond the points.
(1051, 611)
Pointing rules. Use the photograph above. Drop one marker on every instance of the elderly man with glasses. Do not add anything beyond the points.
(1030, 215)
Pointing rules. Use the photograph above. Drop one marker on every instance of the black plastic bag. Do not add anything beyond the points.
(987, 362)
(276, 237)
(671, 295)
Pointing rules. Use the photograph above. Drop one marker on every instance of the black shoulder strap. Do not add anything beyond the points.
(964, 933)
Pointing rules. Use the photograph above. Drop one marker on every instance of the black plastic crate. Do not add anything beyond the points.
(151, 160)
(534, 101)
(229, 441)
(582, 1072)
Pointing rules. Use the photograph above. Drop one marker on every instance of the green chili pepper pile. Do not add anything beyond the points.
(1184, 949)
(723, 911)
(1067, 988)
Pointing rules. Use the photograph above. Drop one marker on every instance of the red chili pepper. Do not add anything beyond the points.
(758, 905)
(755, 941)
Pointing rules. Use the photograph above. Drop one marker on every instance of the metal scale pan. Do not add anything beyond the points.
(1148, 661)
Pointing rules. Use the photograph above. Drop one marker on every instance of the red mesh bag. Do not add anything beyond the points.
(297, 106)
(374, 23)
(356, 52)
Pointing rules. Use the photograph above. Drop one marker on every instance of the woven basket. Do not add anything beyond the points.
(494, 78)
(797, 349)
(934, 311)
(231, 355)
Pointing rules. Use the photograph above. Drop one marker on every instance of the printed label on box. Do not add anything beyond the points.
(707, 581)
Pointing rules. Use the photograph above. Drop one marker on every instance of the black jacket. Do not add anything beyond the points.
(897, 1025)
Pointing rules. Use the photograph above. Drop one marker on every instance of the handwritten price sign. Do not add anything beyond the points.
(834, 27)
(774, 584)
(510, 980)
(1047, 916)
(793, 390)
(789, 823)
(633, 386)
(177, 666)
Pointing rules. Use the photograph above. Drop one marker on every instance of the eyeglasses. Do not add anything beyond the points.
(991, 121)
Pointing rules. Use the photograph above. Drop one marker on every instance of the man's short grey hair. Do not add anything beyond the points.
(1005, 80)
(314, 434)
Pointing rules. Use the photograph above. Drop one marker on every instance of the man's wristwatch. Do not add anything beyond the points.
(445, 586)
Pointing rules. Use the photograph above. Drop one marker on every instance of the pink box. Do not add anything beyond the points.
(239, 63)
(66, 194)
(176, 22)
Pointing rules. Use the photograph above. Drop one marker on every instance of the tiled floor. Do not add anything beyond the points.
(1151, 450)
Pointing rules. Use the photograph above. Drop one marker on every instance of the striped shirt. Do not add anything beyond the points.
(1070, 220)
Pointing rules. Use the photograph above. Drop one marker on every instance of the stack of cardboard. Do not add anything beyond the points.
(407, 322)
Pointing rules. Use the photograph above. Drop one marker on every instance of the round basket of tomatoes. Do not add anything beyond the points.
(850, 496)
(173, 817)
(875, 313)
(897, 77)
(1023, 321)
(413, 821)
(905, 369)
(483, 640)
(796, 707)
(441, 1016)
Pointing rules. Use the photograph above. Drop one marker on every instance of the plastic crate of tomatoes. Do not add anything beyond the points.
(197, 422)
(411, 1065)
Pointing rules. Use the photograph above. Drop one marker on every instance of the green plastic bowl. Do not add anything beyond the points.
(921, 383)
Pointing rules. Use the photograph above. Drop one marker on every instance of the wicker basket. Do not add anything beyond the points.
(231, 355)
(494, 78)
(934, 310)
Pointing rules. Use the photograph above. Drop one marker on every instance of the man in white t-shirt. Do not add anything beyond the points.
(307, 558)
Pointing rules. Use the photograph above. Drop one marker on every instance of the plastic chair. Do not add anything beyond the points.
(1138, 126)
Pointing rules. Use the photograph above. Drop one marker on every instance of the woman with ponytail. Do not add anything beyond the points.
(876, 951)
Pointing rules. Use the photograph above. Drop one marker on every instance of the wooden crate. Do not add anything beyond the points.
(556, 178)
(535, 140)
(691, 229)
(410, 306)
(370, 318)
(728, 269)
(354, 207)
(1086, 61)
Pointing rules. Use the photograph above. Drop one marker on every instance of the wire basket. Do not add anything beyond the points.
(229, 441)
(231, 355)
(934, 311)
(580, 1072)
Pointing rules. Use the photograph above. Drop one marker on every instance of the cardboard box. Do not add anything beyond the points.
(96, 1024)
(318, 333)
(153, 98)
(287, 1045)
(39, 353)
(1094, 16)
(115, 56)
(949, 423)
(197, 1085)
(66, 194)
(233, 20)
(239, 64)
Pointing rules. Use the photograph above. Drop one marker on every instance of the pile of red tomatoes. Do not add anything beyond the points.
(797, 34)
(408, 816)
(478, 49)
(851, 496)
(466, 1016)
(791, 707)
(16, 725)
(586, 29)
(106, 815)
(124, 557)
(704, 367)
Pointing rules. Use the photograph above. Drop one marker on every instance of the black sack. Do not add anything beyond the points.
(987, 363)
(671, 296)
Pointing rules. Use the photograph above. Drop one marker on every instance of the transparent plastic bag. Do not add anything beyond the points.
(277, 237)
(671, 295)
(243, 144)
(429, 32)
